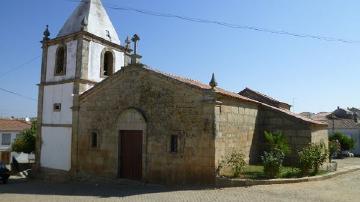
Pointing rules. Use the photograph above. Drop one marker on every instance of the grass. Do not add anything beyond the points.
(257, 172)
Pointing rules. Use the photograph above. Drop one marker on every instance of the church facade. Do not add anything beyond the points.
(101, 112)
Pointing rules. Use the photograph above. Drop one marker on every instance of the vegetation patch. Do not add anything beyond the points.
(256, 172)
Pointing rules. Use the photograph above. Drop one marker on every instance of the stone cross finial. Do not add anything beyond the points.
(213, 82)
(135, 39)
(46, 33)
(127, 43)
(84, 24)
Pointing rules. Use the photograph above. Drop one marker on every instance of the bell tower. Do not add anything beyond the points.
(86, 50)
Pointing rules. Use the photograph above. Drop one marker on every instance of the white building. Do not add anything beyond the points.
(86, 51)
(9, 131)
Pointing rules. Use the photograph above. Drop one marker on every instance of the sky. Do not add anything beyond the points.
(313, 75)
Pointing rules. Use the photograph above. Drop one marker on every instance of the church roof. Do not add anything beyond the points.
(92, 17)
(202, 86)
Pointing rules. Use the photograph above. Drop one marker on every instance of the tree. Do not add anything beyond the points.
(27, 140)
(347, 143)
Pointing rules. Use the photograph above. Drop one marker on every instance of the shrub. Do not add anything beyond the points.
(278, 148)
(272, 162)
(234, 160)
(347, 143)
(27, 141)
(334, 148)
(312, 157)
(277, 141)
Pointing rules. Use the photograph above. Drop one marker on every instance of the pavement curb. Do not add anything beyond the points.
(227, 182)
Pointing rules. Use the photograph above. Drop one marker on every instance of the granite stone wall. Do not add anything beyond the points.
(299, 133)
(235, 128)
(169, 107)
(240, 126)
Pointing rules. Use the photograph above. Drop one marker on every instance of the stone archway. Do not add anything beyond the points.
(131, 144)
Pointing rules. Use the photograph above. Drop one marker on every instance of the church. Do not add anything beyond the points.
(101, 112)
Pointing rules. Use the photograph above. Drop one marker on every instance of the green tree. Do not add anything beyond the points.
(347, 143)
(27, 140)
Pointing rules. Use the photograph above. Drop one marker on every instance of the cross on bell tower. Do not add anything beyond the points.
(135, 39)
(135, 58)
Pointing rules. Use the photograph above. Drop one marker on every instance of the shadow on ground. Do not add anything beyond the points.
(102, 190)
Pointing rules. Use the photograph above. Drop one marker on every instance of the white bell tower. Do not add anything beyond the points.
(86, 51)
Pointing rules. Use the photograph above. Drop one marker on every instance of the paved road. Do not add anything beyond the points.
(342, 188)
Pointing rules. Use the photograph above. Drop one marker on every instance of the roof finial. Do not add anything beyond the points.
(135, 39)
(84, 24)
(46, 34)
(213, 82)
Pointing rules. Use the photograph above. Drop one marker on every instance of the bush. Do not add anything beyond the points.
(334, 148)
(277, 141)
(347, 143)
(312, 157)
(272, 162)
(27, 141)
(273, 159)
(234, 160)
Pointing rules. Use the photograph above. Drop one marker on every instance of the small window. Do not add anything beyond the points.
(60, 61)
(94, 140)
(108, 64)
(57, 107)
(6, 139)
(174, 143)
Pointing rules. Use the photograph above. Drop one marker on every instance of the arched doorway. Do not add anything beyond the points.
(131, 145)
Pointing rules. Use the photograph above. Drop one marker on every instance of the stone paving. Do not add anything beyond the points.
(342, 188)
(348, 162)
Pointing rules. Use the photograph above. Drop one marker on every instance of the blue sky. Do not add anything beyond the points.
(311, 74)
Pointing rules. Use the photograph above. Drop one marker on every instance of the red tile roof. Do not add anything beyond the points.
(13, 125)
(237, 96)
(343, 124)
(220, 91)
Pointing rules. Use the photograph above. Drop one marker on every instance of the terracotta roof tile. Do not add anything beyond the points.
(13, 125)
(203, 86)
(238, 96)
(342, 124)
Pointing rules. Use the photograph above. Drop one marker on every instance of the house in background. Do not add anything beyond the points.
(356, 111)
(341, 120)
(10, 130)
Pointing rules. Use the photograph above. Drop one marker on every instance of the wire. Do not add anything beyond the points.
(13, 70)
(19, 67)
(17, 94)
(226, 24)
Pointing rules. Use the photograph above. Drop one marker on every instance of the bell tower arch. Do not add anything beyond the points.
(71, 65)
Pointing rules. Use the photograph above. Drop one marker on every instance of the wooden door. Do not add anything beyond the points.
(130, 157)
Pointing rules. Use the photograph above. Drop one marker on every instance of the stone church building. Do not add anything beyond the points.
(103, 113)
